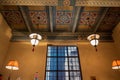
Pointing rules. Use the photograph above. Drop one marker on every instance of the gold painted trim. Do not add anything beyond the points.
(99, 3)
(30, 2)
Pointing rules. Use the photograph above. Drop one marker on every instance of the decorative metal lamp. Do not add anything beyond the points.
(93, 38)
(12, 65)
(116, 64)
(35, 39)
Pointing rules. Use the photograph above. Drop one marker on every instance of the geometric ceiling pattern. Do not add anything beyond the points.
(61, 22)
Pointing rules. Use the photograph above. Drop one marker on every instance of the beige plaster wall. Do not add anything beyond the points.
(5, 35)
(93, 63)
(98, 63)
(29, 62)
(116, 36)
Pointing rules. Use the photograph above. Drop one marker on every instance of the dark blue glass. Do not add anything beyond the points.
(62, 63)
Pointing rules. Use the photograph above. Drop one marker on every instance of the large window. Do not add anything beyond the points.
(62, 63)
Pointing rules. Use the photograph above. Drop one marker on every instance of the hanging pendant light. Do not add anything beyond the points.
(35, 39)
(93, 38)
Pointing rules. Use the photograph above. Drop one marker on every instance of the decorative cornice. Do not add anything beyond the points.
(100, 3)
(30, 2)
(48, 36)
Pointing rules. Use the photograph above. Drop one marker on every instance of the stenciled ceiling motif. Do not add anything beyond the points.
(14, 19)
(38, 17)
(111, 19)
(66, 2)
(63, 17)
(61, 22)
(88, 18)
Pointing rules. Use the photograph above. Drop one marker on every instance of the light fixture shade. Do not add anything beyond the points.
(34, 41)
(93, 38)
(35, 36)
(12, 65)
(94, 42)
(116, 64)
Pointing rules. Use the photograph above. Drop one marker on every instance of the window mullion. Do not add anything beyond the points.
(68, 63)
(57, 63)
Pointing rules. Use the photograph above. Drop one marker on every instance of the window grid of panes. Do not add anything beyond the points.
(62, 63)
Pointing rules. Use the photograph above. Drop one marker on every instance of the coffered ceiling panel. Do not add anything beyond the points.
(39, 18)
(88, 18)
(61, 22)
(63, 18)
(13, 17)
(111, 19)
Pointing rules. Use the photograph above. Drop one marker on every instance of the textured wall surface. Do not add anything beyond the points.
(29, 62)
(5, 35)
(93, 63)
(116, 36)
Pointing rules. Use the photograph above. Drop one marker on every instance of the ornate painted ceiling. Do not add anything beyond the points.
(62, 22)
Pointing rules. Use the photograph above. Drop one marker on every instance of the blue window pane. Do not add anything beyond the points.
(72, 51)
(51, 64)
(75, 78)
(75, 74)
(62, 51)
(63, 76)
(62, 63)
(73, 64)
(52, 53)
(51, 76)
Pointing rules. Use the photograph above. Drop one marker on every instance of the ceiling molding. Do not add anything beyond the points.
(101, 3)
(30, 2)
(24, 36)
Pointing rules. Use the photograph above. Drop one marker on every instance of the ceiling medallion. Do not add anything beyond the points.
(66, 2)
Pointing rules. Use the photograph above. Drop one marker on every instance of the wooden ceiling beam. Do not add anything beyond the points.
(26, 17)
(103, 12)
(76, 18)
(51, 18)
